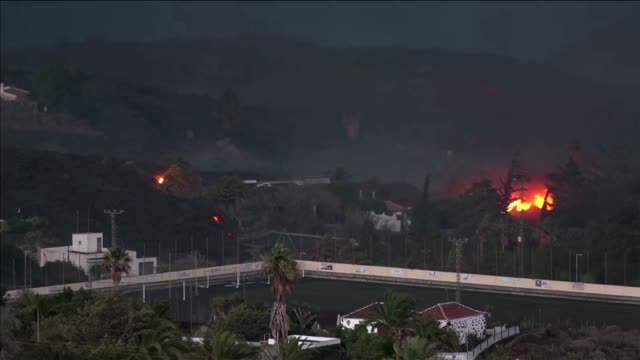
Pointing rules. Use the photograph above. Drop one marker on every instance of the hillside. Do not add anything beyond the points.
(316, 107)
(54, 186)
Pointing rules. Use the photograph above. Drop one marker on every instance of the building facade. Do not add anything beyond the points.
(357, 317)
(462, 319)
(86, 252)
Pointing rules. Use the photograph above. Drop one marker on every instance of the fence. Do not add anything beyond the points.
(487, 343)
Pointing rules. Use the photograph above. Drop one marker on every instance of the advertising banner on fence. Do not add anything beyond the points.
(396, 272)
(577, 286)
(325, 266)
(361, 269)
(541, 284)
(432, 275)
(505, 280)
(467, 277)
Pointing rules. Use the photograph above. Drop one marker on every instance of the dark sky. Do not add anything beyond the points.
(529, 30)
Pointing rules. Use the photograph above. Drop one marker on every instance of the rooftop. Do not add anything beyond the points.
(451, 311)
(367, 312)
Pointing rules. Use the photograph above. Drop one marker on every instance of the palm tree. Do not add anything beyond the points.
(160, 340)
(415, 348)
(429, 329)
(293, 350)
(395, 314)
(117, 261)
(280, 264)
(224, 345)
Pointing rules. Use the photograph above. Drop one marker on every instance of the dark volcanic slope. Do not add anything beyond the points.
(412, 105)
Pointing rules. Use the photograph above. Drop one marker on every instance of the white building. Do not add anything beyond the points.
(460, 318)
(10, 93)
(367, 313)
(393, 219)
(86, 250)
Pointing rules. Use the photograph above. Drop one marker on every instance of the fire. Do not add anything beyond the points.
(160, 180)
(538, 202)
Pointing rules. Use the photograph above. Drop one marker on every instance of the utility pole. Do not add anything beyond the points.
(113, 213)
(458, 244)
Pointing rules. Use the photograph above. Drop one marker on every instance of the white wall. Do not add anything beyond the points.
(466, 326)
(350, 323)
(391, 222)
(87, 242)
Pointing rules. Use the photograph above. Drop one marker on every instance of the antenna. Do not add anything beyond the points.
(113, 213)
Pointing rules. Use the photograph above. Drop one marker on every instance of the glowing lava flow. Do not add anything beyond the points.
(520, 205)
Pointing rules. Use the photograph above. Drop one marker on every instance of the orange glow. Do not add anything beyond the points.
(160, 180)
(538, 202)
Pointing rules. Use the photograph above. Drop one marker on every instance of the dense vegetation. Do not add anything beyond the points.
(596, 213)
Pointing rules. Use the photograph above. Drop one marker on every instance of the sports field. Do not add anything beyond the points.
(334, 297)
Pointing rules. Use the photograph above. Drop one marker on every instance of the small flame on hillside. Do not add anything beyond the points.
(520, 205)
(160, 180)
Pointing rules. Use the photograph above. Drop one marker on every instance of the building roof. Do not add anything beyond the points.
(15, 91)
(451, 311)
(393, 207)
(367, 312)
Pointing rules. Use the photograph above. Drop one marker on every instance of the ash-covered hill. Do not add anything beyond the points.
(383, 111)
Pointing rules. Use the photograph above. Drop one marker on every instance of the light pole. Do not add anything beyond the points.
(302, 253)
(25, 267)
(577, 256)
(46, 271)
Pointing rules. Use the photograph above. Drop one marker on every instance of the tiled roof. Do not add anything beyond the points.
(451, 311)
(391, 206)
(367, 313)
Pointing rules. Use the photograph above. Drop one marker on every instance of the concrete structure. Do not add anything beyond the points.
(379, 275)
(460, 318)
(366, 313)
(87, 250)
(298, 182)
(10, 93)
(393, 219)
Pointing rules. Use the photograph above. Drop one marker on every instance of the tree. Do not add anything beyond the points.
(230, 110)
(160, 340)
(280, 264)
(293, 350)
(429, 329)
(415, 348)
(248, 322)
(303, 320)
(361, 345)
(224, 345)
(117, 261)
(395, 314)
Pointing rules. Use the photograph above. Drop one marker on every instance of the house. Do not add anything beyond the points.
(10, 93)
(393, 219)
(87, 251)
(367, 313)
(460, 318)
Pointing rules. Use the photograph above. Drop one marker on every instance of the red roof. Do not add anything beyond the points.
(451, 311)
(391, 206)
(367, 313)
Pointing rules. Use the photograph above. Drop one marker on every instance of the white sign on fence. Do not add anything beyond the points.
(396, 272)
